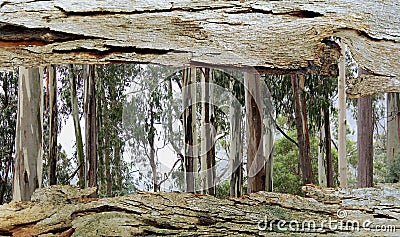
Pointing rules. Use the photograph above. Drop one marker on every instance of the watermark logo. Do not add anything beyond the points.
(341, 223)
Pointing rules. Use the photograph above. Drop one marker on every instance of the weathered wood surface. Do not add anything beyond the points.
(275, 36)
(65, 211)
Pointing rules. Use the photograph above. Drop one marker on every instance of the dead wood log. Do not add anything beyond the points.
(66, 211)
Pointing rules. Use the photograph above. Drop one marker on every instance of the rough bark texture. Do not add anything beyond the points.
(254, 129)
(53, 146)
(365, 146)
(221, 33)
(65, 211)
(300, 111)
(28, 158)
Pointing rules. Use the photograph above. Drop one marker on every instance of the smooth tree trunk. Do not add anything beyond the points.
(29, 135)
(195, 147)
(236, 147)
(77, 127)
(91, 126)
(269, 123)
(322, 179)
(187, 94)
(53, 122)
(150, 139)
(328, 148)
(393, 134)
(342, 154)
(365, 130)
(255, 149)
(300, 110)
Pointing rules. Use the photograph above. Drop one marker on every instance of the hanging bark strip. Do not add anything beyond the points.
(365, 131)
(28, 159)
(255, 151)
(52, 89)
(91, 126)
(302, 128)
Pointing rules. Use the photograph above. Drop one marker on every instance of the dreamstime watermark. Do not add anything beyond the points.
(341, 223)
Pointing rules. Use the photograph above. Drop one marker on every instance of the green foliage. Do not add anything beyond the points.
(222, 189)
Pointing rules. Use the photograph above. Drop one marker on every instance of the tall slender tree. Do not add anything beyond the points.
(255, 151)
(236, 141)
(342, 154)
(393, 135)
(77, 126)
(28, 159)
(53, 121)
(300, 109)
(91, 126)
(365, 132)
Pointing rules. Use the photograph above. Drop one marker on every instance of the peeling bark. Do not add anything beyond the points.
(29, 148)
(207, 33)
(66, 211)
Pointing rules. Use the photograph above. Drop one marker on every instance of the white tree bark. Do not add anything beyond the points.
(236, 146)
(29, 139)
(393, 145)
(342, 154)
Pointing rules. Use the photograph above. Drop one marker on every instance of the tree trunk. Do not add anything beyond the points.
(365, 131)
(255, 149)
(328, 148)
(77, 128)
(342, 153)
(322, 168)
(269, 141)
(302, 128)
(29, 151)
(91, 126)
(236, 148)
(188, 128)
(393, 134)
(152, 156)
(53, 146)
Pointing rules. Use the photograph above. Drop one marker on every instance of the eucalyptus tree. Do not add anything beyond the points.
(393, 136)
(53, 123)
(28, 143)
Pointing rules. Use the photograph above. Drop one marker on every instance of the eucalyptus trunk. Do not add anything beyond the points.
(255, 150)
(236, 147)
(187, 97)
(342, 154)
(300, 110)
(53, 125)
(393, 135)
(29, 139)
(91, 126)
(77, 128)
(365, 131)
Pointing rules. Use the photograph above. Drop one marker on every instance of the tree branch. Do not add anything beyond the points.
(285, 135)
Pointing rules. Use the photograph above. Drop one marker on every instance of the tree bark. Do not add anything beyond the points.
(28, 159)
(365, 131)
(236, 148)
(187, 80)
(53, 146)
(65, 211)
(255, 150)
(302, 128)
(342, 153)
(322, 167)
(328, 148)
(393, 134)
(77, 128)
(91, 126)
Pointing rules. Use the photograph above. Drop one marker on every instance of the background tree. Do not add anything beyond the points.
(53, 122)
